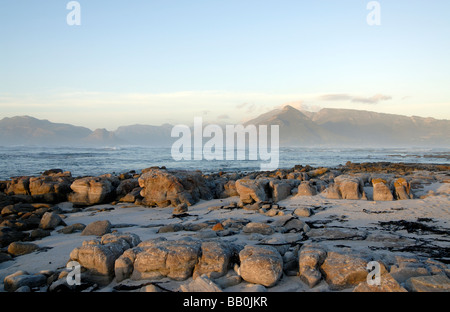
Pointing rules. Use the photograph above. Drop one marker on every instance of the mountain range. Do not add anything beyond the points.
(328, 127)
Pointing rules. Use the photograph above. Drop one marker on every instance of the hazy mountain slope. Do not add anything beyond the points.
(145, 135)
(296, 129)
(370, 128)
(26, 130)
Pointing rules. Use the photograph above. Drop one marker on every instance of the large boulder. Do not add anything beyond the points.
(50, 221)
(306, 188)
(91, 191)
(21, 248)
(310, 258)
(261, 265)
(402, 189)
(280, 190)
(343, 271)
(432, 283)
(165, 188)
(18, 186)
(50, 189)
(214, 260)
(251, 191)
(99, 257)
(97, 228)
(349, 187)
(159, 258)
(21, 278)
(381, 190)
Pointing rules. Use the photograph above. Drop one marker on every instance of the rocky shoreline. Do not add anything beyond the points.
(299, 229)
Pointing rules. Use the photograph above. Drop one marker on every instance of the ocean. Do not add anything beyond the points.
(88, 161)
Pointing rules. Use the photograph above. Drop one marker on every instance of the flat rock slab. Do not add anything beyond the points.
(343, 271)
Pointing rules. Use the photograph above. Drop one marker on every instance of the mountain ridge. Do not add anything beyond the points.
(327, 127)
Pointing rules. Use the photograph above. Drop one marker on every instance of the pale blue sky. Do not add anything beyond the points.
(167, 61)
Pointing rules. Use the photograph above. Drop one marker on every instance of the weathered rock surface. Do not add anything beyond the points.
(99, 257)
(381, 190)
(347, 187)
(251, 191)
(159, 258)
(433, 283)
(98, 228)
(261, 265)
(21, 248)
(280, 190)
(21, 278)
(310, 258)
(201, 284)
(343, 271)
(214, 260)
(163, 188)
(91, 191)
(50, 221)
(306, 189)
(257, 227)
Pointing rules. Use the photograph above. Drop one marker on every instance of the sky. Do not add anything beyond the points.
(161, 61)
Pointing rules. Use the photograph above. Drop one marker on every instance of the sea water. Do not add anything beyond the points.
(88, 161)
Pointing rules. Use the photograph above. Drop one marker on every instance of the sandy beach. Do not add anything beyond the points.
(409, 238)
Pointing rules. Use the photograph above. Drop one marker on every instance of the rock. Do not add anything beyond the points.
(163, 188)
(276, 241)
(261, 265)
(69, 229)
(349, 187)
(21, 278)
(180, 209)
(200, 284)
(98, 228)
(99, 257)
(9, 235)
(303, 212)
(253, 190)
(39, 234)
(218, 227)
(214, 260)
(4, 257)
(23, 289)
(50, 221)
(126, 186)
(229, 189)
(228, 280)
(131, 197)
(381, 191)
(50, 189)
(310, 258)
(169, 228)
(260, 228)
(159, 258)
(407, 268)
(387, 284)
(21, 248)
(91, 191)
(332, 192)
(433, 283)
(280, 190)
(343, 271)
(150, 288)
(18, 186)
(296, 225)
(402, 189)
(306, 189)
(337, 234)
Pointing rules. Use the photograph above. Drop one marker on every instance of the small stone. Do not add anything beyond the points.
(260, 228)
(180, 209)
(303, 212)
(150, 288)
(171, 228)
(218, 227)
